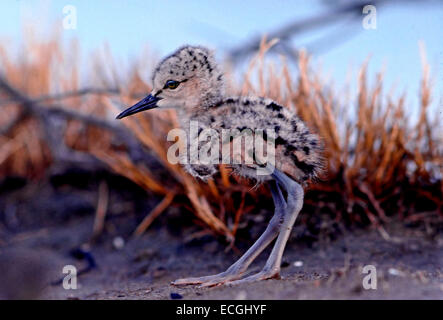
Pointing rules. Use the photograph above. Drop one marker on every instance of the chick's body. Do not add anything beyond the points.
(190, 81)
(297, 151)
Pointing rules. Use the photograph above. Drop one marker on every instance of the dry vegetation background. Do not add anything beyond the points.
(382, 163)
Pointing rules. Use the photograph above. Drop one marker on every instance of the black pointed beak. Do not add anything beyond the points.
(150, 102)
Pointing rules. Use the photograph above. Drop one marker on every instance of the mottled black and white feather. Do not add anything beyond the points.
(201, 97)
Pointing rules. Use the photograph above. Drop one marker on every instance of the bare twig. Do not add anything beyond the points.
(352, 9)
(54, 110)
(154, 214)
(102, 207)
(74, 93)
(53, 133)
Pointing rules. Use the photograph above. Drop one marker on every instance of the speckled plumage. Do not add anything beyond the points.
(298, 152)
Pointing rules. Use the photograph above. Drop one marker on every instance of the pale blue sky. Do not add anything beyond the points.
(129, 26)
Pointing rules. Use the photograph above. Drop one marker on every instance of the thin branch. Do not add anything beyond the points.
(74, 93)
(44, 113)
(147, 221)
(324, 19)
(56, 110)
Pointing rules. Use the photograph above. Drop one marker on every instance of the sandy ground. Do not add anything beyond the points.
(408, 267)
(42, 223)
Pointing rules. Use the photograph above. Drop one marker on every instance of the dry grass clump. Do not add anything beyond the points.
(381, 163)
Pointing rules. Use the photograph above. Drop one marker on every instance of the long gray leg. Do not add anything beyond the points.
(294, 205)
(236, 270)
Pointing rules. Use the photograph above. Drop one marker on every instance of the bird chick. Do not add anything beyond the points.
(190, 81)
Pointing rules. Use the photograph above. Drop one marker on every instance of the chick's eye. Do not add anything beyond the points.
(171, 84)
